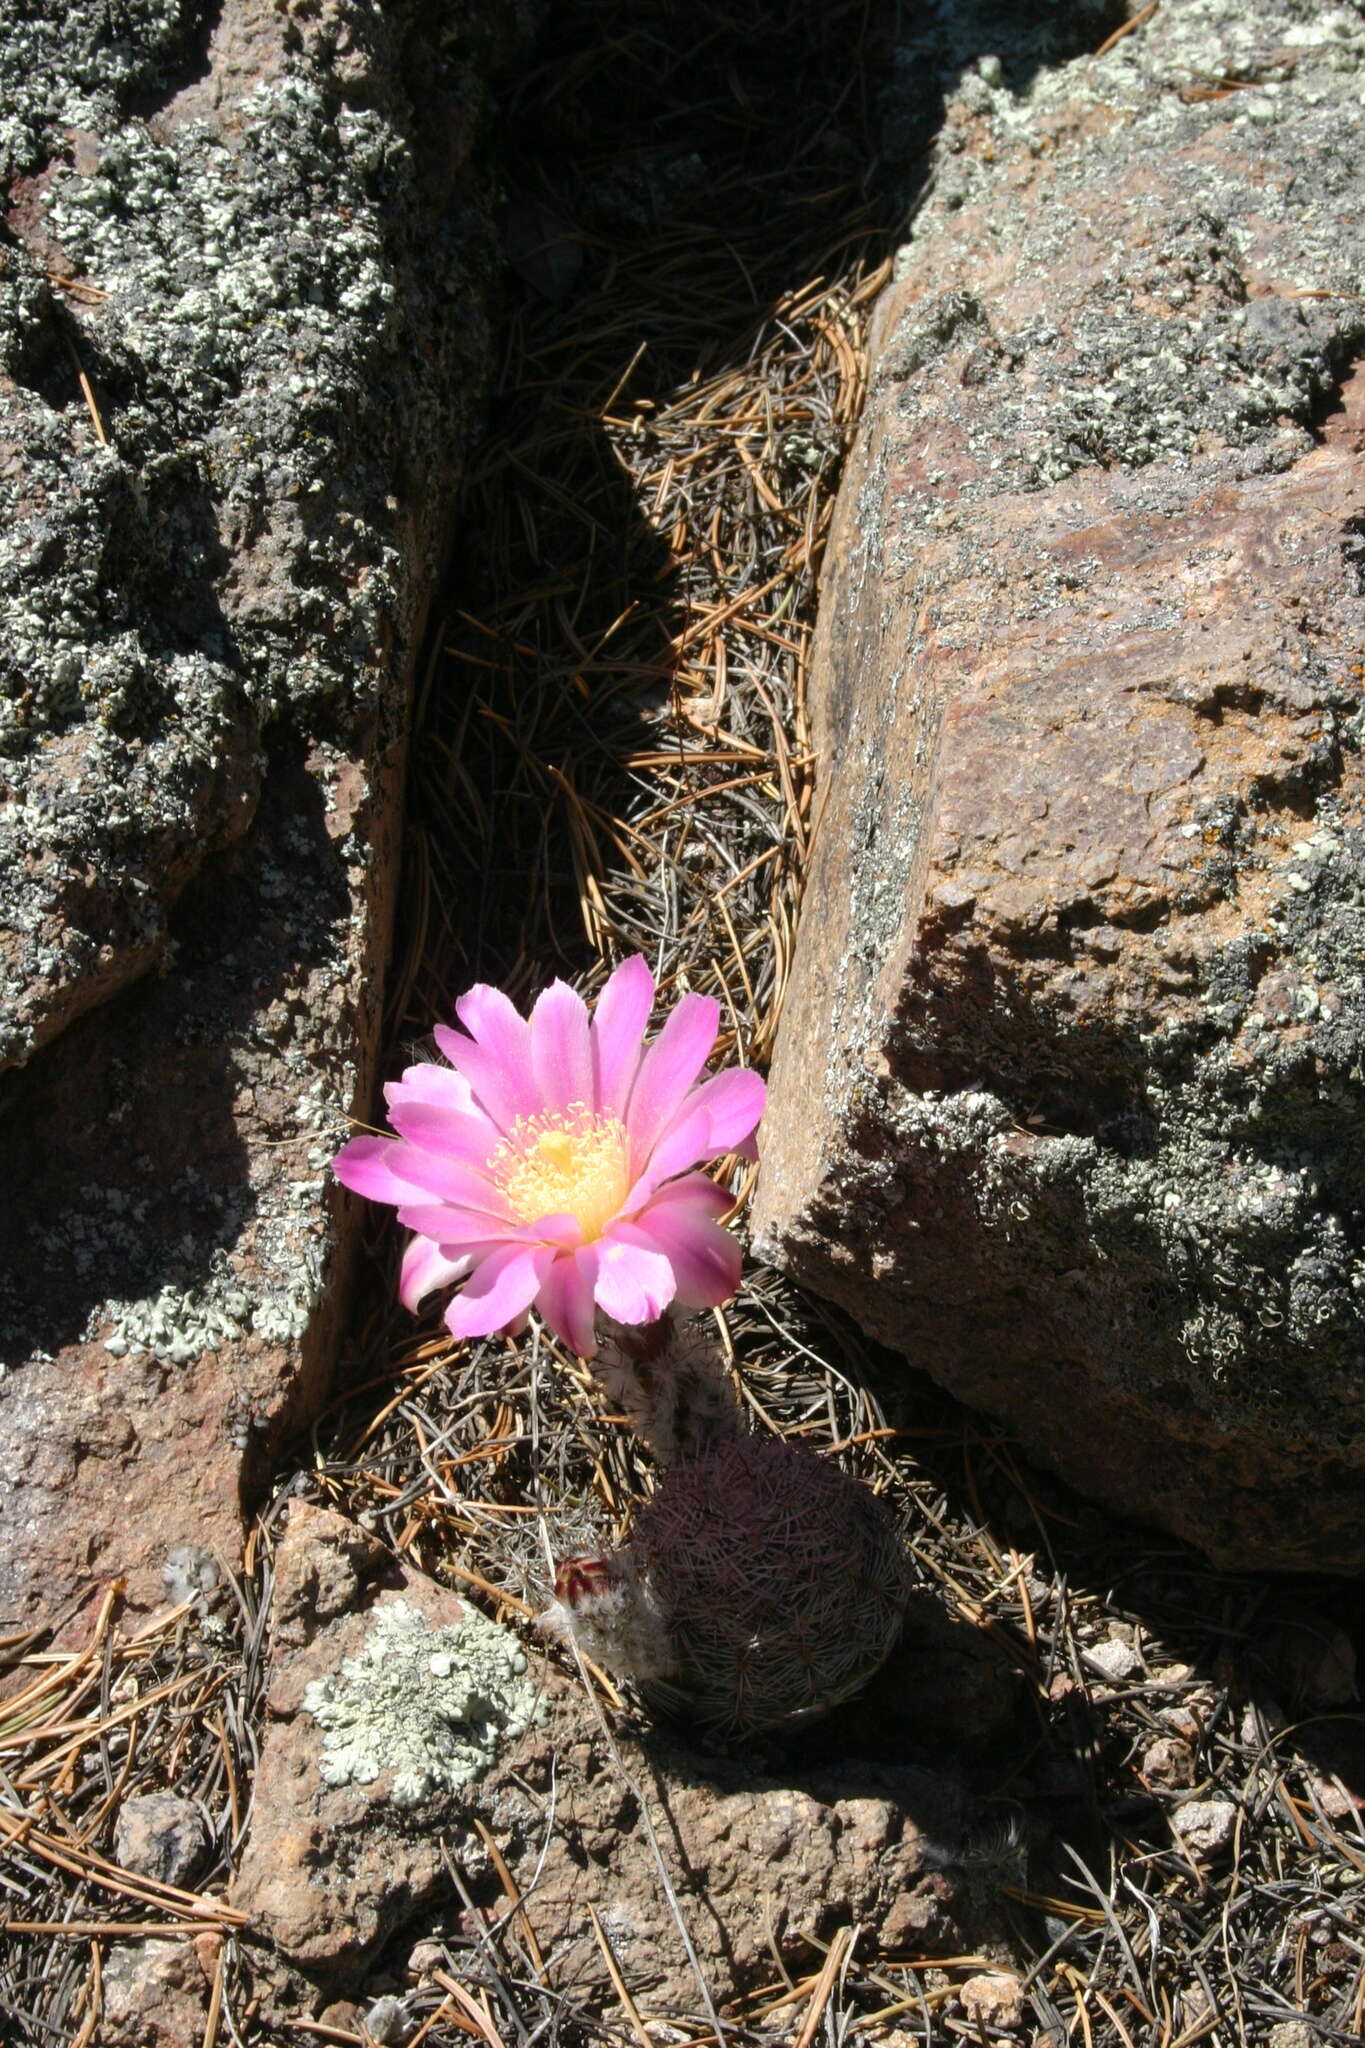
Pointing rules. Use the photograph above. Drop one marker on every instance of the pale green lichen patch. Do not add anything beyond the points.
(431, 1706)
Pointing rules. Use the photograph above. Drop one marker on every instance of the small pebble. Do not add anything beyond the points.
(1206, 1826)
(1168, 1764)
(994, 1999)
(388, 2022)
(162, 1836)
(1116, 1659)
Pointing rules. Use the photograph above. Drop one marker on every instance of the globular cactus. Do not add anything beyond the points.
(761, 1584)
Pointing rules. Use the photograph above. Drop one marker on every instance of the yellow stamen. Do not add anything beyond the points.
(565, 1162)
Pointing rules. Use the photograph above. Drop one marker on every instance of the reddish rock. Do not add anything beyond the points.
(155, 1995)
(995, 1998)
(331, 1870)
(1067, 1096)
(215, 560)
(1168, 1764)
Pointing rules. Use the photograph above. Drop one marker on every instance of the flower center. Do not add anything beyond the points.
(565, 1162)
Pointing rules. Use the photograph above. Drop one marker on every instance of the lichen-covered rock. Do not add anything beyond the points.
(337, 1859)
(1067, 1100)
(372, 1730)
(209, 540)
(243, 333)
(430, 1706)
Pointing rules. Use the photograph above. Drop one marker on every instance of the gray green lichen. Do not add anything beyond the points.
(234, 555)
(223, 220)
(1124, 383)
(432, 1707)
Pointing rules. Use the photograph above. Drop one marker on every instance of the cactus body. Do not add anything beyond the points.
(779, 1580)
(761, 1584)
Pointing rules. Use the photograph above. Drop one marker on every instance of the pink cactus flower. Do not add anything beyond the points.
(548, 1164)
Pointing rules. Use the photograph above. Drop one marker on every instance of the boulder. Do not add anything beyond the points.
(386, 1697)
(243, 337)
(372, 1787)
(1067, 1100)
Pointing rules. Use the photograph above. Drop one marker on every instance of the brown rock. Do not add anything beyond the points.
(182, 1258)
(210, 602)
(923, 1917)
(1206, 1827)
(995, 1998)
(1168, 1764)
(155, 1996)
(1066, 1096)
(331, 1870)
(756, 1863)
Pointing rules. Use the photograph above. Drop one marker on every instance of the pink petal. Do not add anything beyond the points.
(618, 1028)
(433, 1081)
(734, 1102)
(717, 1117)
(494, 1022)
(496, 1060)
(688, 1141)
(369, 1167)
(456, 1227)
(496, 1092)
(425, 1268)
(705, 1259)
(450, 1179)
(560, 1057)
(566, 1300)
(501, 1288)
(635, 1281)
(440, 1126)
(695, 1193)
(563, 1230)
(668, 1070)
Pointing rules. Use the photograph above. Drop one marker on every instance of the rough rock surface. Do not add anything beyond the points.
(162, 1836)
(336, 1859)
(242, 341)
(1068, 1100)
(331, 1869)
(994, 1999)
(154, 1995)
